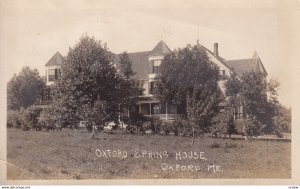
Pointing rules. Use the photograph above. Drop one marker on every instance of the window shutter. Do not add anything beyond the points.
(151, 66)
(55, 73)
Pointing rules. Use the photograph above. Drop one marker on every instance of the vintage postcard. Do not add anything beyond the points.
(139, 92)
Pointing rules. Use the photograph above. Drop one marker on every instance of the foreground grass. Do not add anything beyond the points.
(72, 155)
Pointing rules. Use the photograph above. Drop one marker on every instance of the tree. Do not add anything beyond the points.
(223, 122)
(285, 113)
(233, 90)
(130, 89)
(188, 79)
(258, 97)
(125, 66)
(280, 125)
(24, 89)
(90, 88)
(252, 126)
(254, 91)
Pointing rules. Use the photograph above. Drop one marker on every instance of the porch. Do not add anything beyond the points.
(158, 110)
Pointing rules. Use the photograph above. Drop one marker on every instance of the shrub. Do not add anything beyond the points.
(156, 123)
(13, 119)
(45, 120)
(183, 128)
(222, 123)
(30, 118)
(147, 126)
(252, 126)
(215, 145)
(279, 126)
(239, 125)
(166, 128)
(136, 121)
(230, 145)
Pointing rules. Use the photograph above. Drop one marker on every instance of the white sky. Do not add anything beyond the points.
(32, 31)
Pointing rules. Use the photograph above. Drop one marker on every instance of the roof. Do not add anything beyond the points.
(242, 66)
(56, 59)
(160, 49)
(219, 58)
(140, 61)
(139, 64)
(212, 53)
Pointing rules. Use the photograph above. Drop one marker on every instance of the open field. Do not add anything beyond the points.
(73, 155)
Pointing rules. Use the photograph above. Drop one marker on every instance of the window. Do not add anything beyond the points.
(156, 66)
(51, 74)
(153, 89)
(54, 74)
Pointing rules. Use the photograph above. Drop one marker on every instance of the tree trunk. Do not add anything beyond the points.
(193, 138)
(93, 132)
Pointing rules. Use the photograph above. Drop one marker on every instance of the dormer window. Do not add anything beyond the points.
(54, 74)
(155, 66)
(51, 74)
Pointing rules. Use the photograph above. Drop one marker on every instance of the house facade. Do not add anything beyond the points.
(146, 66)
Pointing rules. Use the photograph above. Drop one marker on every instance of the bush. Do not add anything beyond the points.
(137, 119)
(215, 145)
(147, 126)
(184, 128)
(13, 119)
(165, 128)
(279, 126)
(45, 120)
(230, 145)
(29, 118)
(252, 126)
(135, 122)
(156, 123)
(239, 126)
(222, 123)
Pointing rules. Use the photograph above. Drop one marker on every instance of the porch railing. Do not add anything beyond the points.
(166, 116)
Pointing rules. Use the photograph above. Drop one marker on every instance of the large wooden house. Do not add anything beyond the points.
(146, 65)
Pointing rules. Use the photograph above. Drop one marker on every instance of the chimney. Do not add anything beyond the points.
(216, 51)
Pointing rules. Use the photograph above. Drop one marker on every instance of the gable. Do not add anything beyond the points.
(160, 49)
(55, 60)
(219, 61)
(242, 66)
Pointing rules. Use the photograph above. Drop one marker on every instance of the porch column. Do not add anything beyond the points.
(47, 77)
(119, 113)
(242, 111)
(166, 111)
(234, 114)
(140, 108)
(150, 109)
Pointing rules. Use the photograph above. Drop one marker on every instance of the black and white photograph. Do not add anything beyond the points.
(160, 90)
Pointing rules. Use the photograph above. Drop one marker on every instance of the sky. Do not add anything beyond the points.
(33, 31)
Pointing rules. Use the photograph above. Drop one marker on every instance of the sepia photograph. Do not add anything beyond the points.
(146, 89)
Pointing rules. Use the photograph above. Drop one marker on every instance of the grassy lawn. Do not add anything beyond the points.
(72, 155)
